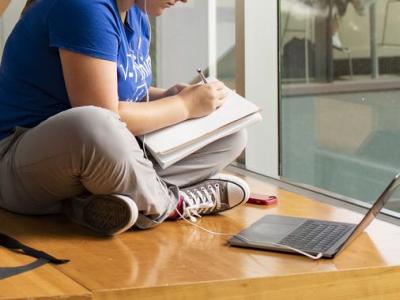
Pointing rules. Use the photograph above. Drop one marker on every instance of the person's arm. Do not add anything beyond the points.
(143, 117)
(92, 81)
(191, 102)
(158, 93)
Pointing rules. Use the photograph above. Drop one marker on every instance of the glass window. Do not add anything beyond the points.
(340, 98)
(226, 54)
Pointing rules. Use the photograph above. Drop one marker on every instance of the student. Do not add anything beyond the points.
(74, 80)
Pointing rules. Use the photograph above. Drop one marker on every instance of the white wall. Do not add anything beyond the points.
(8, 20)
(182, 42)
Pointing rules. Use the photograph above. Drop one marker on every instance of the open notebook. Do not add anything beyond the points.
(171, 144)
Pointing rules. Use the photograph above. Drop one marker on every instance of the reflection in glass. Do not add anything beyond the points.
(340, 98)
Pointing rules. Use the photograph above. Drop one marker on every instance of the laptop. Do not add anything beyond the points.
(310, 237)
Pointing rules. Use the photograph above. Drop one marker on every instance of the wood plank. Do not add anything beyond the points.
(176, 257)
(372, 284)
(45, 282)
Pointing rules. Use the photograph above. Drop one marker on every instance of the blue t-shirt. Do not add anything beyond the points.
(32, 86)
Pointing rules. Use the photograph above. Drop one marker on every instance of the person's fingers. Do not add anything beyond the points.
(220, 102)
(221, 94)
(218, 85)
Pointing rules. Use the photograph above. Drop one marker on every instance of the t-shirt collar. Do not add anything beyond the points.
(128, 20)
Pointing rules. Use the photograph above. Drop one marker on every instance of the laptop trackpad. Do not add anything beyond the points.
(271, 228)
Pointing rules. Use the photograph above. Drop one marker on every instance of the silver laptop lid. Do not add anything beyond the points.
(374, 210)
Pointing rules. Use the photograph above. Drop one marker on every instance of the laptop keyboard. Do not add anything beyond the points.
(314, 236)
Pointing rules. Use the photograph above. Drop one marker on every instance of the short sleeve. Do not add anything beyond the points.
(86, 27)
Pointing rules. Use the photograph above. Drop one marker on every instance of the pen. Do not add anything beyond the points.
(202, 76)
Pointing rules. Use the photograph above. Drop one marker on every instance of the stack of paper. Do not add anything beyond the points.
(171, 144)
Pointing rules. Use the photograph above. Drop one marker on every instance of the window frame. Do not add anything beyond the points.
(255, 18)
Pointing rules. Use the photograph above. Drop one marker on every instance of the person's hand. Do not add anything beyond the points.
(176, 89)
(202, 99)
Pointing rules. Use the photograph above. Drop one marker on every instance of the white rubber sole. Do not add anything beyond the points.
(238, 182)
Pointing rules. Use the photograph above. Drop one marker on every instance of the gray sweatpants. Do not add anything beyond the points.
(88, 149)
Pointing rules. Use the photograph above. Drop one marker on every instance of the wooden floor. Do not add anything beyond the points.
(178, 261)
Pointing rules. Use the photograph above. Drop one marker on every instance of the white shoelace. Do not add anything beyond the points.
(201, 201)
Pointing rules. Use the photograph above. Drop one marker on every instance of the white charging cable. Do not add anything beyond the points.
(314, 257)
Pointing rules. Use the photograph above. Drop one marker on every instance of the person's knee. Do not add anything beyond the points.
(98, 129)
(90, 121)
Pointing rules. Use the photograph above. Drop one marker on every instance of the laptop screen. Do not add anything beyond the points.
(374, 210)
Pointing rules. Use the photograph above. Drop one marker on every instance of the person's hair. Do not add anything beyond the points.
(28, 3)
